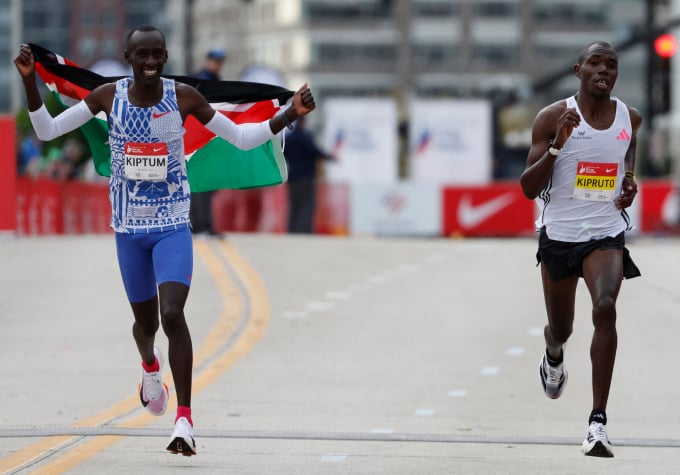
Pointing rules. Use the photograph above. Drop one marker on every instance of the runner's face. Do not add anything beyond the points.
(598, 71)
(147, 55)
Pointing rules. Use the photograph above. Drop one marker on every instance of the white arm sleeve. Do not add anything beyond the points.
(47, 127)
(243, 136)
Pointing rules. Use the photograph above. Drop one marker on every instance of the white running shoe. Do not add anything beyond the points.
(597, 443)
(553, 378)
(153, 392)
(182, 440)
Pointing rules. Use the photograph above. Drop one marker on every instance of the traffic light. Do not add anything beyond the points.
(665, 47)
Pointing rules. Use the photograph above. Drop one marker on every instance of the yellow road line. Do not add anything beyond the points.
(256, 323)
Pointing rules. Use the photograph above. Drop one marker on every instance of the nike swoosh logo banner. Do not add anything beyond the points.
(212, 163)
(470, 215)
(496, 209)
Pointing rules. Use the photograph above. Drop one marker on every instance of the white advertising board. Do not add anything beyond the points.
(400, 209)
(362, 135)
(450, 141)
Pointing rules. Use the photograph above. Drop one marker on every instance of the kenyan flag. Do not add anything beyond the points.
(212, 163)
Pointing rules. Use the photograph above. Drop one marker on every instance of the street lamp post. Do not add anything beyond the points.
(17, 33)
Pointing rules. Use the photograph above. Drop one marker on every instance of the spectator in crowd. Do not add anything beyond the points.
(302, 156)
(29, 155)
(201, 202)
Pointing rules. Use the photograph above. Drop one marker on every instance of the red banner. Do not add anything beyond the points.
(266, 210)
(50, 207)
(8, 165)
(332, 209)
(659, 206)
(250, 210)
(498, 209)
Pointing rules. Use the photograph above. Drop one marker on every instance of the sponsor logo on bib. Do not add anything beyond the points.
(595, 181)
(146, 161)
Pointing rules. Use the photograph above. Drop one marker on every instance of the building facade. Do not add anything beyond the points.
(424, 47)
(88, 32)
(506, 50)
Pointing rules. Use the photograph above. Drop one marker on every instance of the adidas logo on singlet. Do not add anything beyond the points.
(623, 135)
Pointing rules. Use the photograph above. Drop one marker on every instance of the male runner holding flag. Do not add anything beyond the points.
(149, 193)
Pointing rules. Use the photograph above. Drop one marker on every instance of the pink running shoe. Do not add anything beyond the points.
(153, 392)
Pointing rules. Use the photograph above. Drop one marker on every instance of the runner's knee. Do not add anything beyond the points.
(172, 317)
(604, 312)
(559, 334)
(148, 327)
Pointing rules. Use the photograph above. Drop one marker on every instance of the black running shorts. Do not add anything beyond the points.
(565, 259)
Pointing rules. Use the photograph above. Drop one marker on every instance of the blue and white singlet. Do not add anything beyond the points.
(149, 188)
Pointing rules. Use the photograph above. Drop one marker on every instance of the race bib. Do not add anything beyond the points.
(595, 181)
(146, 161)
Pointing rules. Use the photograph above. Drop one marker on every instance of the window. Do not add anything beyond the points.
(354, 53)
(433, 54)
(340, 11)
(496, 55)
(496, 9)
(435, 9)
(585, 14)
(86, 20)
(87, 47)
(109, 20)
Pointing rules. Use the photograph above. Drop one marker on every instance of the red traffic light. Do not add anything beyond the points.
(666, 45)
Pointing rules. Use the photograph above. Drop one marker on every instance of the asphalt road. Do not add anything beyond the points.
(319, 355)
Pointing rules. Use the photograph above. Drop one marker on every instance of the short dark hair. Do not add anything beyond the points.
(143, 29)
(586, 49)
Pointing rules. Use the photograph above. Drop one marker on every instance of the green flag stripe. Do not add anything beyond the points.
(221, 165)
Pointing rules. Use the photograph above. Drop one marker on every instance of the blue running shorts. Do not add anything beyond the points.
(148, 260)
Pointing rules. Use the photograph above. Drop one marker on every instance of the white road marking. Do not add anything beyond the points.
(536, 331)
(295, 315)
(319, 306)
(457, 393)
(515, 351)
(490, 370)
(334, 458)
(423, 412)
(338, 295)
(382, 430)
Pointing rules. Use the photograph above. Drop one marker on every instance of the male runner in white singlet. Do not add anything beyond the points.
(580, 171)
(149, 193)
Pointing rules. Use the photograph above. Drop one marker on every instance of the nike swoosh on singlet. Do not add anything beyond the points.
(470, 215)
(157, 115)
